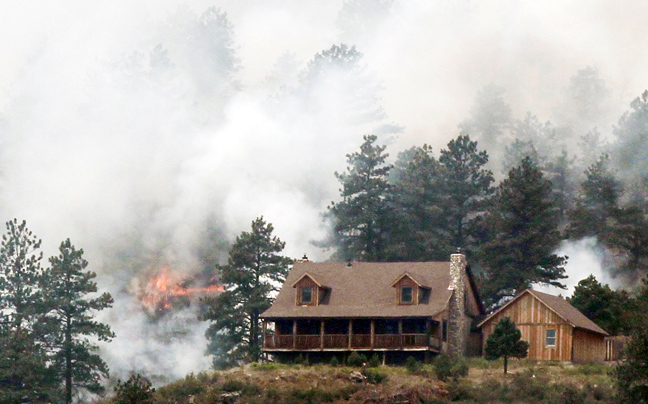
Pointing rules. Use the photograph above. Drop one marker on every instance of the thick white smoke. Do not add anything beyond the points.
(128, 127)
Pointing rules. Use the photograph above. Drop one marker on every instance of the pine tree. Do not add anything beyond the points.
(416, 233)
(505, 341)
(253, 272)
(467, 185)
(360, 220)
(24, 370)
(523, 225)
(71, 325)
(606, 307)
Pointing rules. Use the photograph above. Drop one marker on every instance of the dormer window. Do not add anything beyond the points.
(309, 291)
(407, 294)
(306, 295)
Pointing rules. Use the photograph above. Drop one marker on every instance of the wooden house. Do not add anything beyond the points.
(554, 329)
(397, 309)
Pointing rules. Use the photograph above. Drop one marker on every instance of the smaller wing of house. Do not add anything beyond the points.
(554, 329)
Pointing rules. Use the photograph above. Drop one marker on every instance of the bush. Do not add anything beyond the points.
(374, 361)
(446, 367)
(136, 390)
(189, 386)
(412, 365)
(300, 360)
(335, 361)
(356, 359)
(374, 376)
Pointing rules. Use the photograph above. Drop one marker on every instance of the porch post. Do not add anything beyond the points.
(350, 332)
(294, 333)
(322, 334)
(265, 327)
(372, 331)
(400, 332)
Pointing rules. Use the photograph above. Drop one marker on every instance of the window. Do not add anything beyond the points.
(407, 294)
(550, 338)
(306, 295)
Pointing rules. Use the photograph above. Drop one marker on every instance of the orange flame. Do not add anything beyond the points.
(163, 289)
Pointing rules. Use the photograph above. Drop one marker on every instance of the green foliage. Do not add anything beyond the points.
(136, 390)
(610, 309)
(253, 271)
(632, 373)
(375, 376)
(300, 360)
(24, 368)
(360, 218)
(374, 361)
(356, 360)
(447, 367)
(412, 365)
(505, 342)
(189, 386)
(70, 322)
(334, 361)
(466, 187)
(523, 235)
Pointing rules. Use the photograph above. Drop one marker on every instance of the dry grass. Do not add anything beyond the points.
(296, 384)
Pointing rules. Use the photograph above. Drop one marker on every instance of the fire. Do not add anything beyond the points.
(165, 290)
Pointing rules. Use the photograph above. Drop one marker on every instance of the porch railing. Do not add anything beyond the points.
(341, 341)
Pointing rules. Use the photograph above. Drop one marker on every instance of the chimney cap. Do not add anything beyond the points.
(458, 250)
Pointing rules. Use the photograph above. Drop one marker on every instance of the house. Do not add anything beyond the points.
(396, 309)
(554, 329)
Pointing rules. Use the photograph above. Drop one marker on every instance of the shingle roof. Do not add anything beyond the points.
(561, 307)
(364, 290)
(568, 312)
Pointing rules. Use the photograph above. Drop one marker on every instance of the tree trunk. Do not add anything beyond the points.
(505, 364)
(68, 362)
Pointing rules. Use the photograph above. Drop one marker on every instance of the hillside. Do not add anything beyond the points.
(527, 382)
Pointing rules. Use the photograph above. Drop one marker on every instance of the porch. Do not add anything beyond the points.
(409, 334)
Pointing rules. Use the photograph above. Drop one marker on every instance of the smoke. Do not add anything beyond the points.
(152, 133)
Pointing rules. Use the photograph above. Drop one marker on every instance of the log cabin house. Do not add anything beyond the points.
(396, 309)
(554, 329)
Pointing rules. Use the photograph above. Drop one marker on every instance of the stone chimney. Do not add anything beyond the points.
(458, 326)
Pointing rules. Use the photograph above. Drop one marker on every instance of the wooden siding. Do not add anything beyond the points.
(588, 346)
(533, 318)
(472, 307)
(407, 281)
(307, 282)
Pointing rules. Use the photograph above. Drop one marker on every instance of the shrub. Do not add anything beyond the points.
(412, 365)
(300, 360)
(136, 390)
(189, 386)
(356, 359)
(374, 376)
(335, 361)
(374, 361)
(446, 367)
(233, 385)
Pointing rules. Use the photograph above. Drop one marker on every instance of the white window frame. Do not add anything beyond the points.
(548, 337)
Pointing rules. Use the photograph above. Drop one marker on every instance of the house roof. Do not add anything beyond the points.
(364, 289)
(558, 305)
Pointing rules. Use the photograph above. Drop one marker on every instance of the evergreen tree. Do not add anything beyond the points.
(523, 233)
(632, 373)
(505, 341)
(490, 120)
(632, 141)
(606, 307)
(24, 372)
(67, 285)
(136, 390)
(253, 272)
(597, 208)
(466, 185)
(360, 220)
(416, 233)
